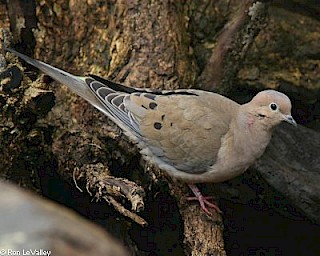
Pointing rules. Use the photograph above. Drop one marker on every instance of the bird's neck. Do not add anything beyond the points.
(250, 136)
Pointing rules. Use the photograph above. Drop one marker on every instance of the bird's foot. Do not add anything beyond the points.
(203, 200)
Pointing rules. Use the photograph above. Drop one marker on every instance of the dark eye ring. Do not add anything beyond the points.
(273, 106)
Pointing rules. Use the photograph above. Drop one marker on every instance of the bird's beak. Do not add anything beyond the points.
(290, 120)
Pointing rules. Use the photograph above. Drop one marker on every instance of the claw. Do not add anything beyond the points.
(203, 200)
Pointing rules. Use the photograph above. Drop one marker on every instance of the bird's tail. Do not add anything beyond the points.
(76, 83)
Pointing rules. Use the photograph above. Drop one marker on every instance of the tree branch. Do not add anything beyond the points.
(232, 45)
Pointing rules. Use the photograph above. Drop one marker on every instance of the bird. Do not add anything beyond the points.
(195, 136)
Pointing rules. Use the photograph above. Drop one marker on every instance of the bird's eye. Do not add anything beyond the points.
(273, 106)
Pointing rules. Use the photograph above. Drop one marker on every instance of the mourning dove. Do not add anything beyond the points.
(195, 136)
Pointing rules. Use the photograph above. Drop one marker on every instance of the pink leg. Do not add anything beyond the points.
(203, 200)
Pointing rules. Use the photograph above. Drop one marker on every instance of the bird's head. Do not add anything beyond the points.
(270, 107)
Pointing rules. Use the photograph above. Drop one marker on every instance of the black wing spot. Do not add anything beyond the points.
(143, 107)
(157, 125)
(153, 105)
(162, 117)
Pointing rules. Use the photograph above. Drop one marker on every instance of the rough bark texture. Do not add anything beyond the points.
(74, 154)
(232, 45)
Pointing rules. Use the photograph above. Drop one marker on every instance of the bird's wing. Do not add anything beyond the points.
(178, 128)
